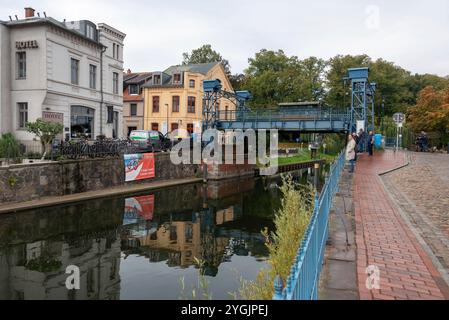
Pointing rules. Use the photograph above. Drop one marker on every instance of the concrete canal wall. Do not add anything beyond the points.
(27, 182)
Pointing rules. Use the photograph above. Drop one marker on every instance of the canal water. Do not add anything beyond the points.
(153, 245)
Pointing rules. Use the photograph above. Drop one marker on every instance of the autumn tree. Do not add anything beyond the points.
(431, 113)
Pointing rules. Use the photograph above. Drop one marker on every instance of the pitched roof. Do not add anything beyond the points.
(202, 68)
(134, 78)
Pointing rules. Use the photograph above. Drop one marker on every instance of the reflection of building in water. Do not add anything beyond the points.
(184, 238)
(37, 270)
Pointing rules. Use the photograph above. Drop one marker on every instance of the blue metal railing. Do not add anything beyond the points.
(290, 114)
(304, 278)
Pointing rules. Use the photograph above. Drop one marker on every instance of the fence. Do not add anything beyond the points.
(92, 149)
(303, 282)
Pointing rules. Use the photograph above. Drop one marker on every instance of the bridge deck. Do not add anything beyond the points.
(289, 120)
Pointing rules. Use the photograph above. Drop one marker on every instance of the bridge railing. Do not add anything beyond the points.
(303, 281)
(290, 114)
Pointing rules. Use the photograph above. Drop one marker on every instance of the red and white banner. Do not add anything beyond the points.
(139, 166)
(140, 206)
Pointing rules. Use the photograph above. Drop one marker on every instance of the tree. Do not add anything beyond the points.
(45, 131)
(273, 77)
(205, 54)
(431, 113)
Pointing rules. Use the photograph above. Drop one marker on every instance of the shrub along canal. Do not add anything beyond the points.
(141, 247)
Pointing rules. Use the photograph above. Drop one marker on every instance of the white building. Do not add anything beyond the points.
(70, 72)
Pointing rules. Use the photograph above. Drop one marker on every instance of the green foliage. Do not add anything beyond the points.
(205, 54)
(45, 131)
(9, 147)
(273, 77)
(291, 223)
(201, 291)
(12, 181)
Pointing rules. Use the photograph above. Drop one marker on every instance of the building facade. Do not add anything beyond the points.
(133, 101)
(67, 72)
(174, 98)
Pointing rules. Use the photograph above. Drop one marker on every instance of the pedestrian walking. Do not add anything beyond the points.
(351, 153)
(371, 143)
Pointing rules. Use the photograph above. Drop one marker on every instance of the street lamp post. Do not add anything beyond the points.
(167, 117)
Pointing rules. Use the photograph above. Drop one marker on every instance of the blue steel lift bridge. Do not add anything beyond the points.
(305, 120)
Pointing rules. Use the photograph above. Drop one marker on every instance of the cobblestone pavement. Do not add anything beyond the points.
(385, 240)
(421, 190)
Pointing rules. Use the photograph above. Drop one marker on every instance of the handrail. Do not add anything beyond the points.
(303, 281)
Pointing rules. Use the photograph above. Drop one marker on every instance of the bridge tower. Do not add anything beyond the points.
(362, 101)
(212, 94)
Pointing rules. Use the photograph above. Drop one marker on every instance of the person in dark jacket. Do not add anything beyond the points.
(371, 143)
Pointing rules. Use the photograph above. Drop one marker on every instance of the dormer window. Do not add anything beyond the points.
(177, 78)
(133, 89)
(157, 79)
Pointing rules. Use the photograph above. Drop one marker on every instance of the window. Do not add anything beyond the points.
(133, 89)
(115, 82)
(23, 114)
(175, 106)
(90, 32)
(157, 79)
(117, 56)
(190, 128)
(74, 71)
(21, 58)
(156, 104)
(174, 127)
(173, 233)
(191, 104)
(110, 114)
(133, 110)
(82, 122)
(113, 50)
(226, 112)
(177, 78)
(155, 126)
(192, 83)
(92, 76)
(131, 129)
(115, 126)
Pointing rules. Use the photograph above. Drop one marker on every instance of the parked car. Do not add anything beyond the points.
(149, 141)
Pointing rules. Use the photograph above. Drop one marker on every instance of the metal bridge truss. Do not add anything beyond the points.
(292, 119)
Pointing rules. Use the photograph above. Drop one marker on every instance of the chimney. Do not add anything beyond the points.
(29, 12)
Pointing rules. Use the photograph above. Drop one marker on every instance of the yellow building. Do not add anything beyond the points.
(175, 97)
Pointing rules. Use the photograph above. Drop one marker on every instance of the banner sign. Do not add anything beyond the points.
(138, 208)
(139, 166)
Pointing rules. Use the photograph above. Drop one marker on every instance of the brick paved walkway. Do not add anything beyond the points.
(384, 240)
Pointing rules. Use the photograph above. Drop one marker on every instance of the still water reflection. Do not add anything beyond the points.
(140, 247)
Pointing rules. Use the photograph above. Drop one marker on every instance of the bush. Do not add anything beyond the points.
(9, 147)
(291, 223)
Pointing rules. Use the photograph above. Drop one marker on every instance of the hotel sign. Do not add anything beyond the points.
(53, 117)
(32, 44)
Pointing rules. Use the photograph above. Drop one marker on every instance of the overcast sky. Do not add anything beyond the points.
(412, 33)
